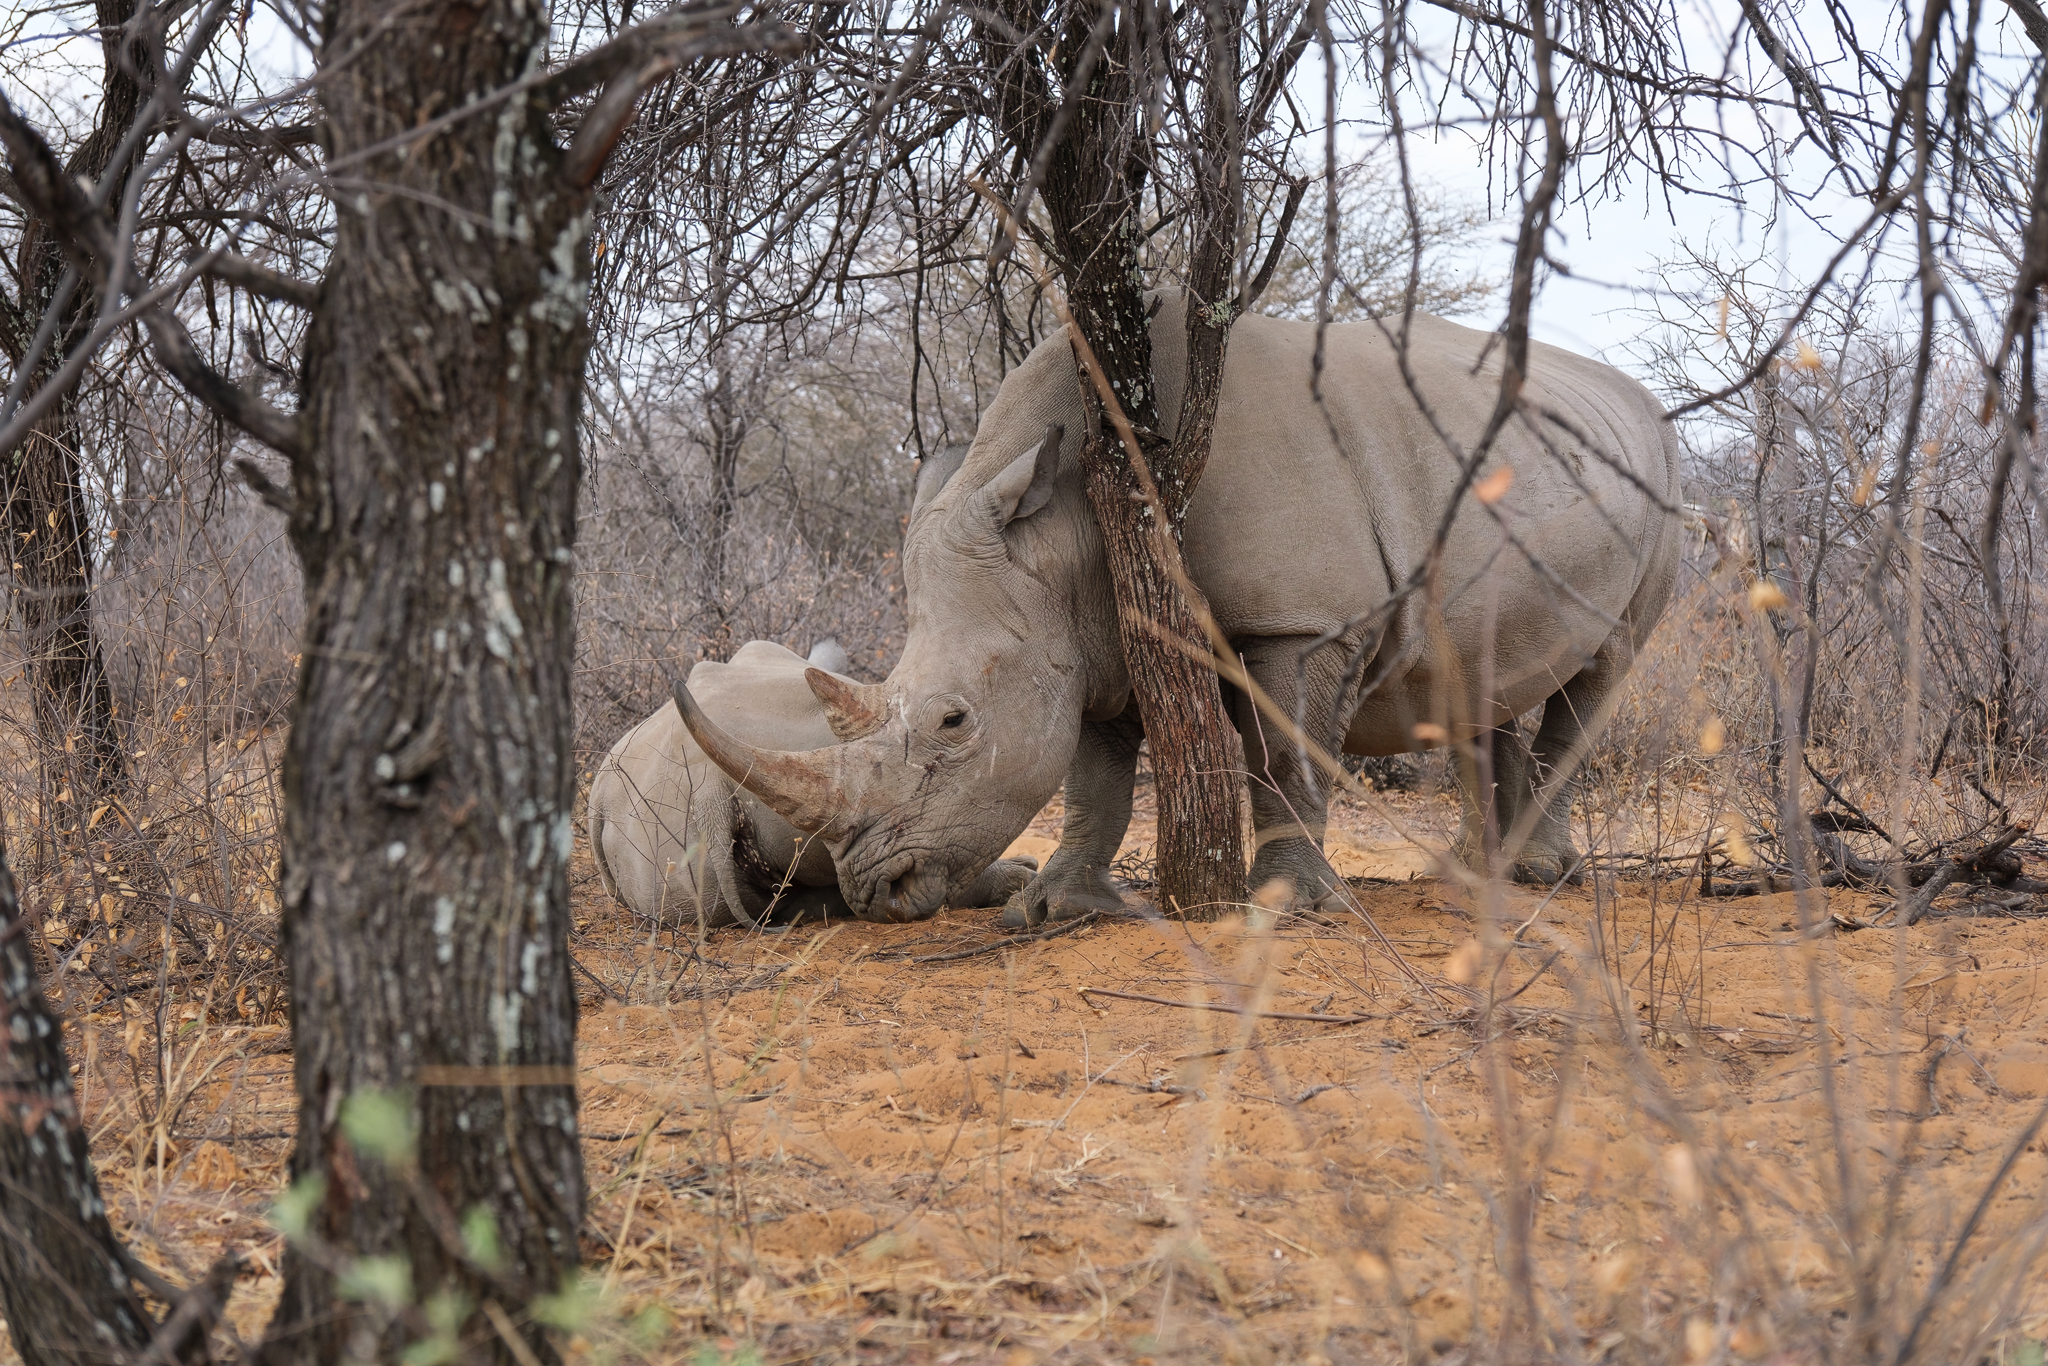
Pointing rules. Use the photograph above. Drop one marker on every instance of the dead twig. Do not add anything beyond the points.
(1233, 1010)
(1078, 923)
(1982, 864)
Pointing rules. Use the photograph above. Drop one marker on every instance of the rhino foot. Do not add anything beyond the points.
(1307, 883)
(1547, 868)
(1066, 890)
(996, 884)
(1537, 867)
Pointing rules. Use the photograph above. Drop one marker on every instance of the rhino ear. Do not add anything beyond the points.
(934, 472)
(1026, 483)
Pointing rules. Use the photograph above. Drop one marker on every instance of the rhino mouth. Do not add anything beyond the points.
(899, 889)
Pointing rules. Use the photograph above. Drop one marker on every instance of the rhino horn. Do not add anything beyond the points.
(848, 708)
(805, 788)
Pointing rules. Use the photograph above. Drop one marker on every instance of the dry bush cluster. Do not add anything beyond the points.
(1847, 636)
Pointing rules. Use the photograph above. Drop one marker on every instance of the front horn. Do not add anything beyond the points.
(807, 789)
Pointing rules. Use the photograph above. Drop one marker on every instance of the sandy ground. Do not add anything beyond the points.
(869, 1143)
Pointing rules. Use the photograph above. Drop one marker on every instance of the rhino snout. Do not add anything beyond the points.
(901, 889)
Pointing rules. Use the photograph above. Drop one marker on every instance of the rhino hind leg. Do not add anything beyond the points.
(1558, 754)
(1538, 859)
(1076, 879)
(1535, 810)
(1290, 803)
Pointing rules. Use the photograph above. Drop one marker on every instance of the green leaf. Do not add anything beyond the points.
(294, 1209)
(432, 1351)
(446, 1310)
(572, 1309)
(380, 1124)
(377, 1280)
(480, 1238)
(2030, 1352)
(646, 1329)
(726, 1352)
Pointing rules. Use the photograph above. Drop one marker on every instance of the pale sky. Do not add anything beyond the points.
(1613, 246)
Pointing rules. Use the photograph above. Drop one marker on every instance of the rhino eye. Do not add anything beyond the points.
(952, 720)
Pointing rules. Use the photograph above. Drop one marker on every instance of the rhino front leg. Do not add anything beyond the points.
(995, 884)
(1076, 880)
(1290, 802)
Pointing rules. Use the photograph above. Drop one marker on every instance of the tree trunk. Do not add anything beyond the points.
(1201, 843)
(728, 435)
(48, 526)
(1093, 178)
(51, 534)
(428, 777)
(64, 1277)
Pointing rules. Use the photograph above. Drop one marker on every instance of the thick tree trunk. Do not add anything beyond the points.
(428, 776)
(48, 529)
(1201, 845)
(66, 1293)
(1092, 183)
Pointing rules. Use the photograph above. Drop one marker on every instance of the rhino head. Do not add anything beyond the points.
(944, 763)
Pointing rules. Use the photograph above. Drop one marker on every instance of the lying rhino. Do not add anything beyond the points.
(1307, 519)
(677, 841)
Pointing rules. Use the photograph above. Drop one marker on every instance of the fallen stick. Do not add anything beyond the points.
(1078, 923)
(1982, 863)
(1234, 1010)
(1913, 907)
(1991, 866)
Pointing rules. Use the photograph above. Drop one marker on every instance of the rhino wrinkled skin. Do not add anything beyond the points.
(675, 838)
(1012, 680)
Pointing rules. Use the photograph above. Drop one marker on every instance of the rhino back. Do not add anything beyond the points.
(643, 809)
(1294, 532)
(760, 696)
(1298, 532)
(648, 801)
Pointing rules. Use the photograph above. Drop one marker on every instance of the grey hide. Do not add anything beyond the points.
(673, 835)
(1305, 521)
(829, 655)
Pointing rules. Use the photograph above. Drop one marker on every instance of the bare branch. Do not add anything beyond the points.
(2032, 20)
(240, 271)
(88, 238)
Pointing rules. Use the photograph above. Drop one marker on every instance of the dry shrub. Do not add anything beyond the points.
(647, 610)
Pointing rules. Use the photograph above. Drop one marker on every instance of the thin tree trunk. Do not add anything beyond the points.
(1094, 176)
(428, 777)
(72, 702)
(48, 526)
(728, 434)
(64, 1277)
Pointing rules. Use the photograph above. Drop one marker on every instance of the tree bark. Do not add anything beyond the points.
(48, 525)
(428, 777)
(1094, 172)
(728, 434)
(53, 563)
(64, 1277)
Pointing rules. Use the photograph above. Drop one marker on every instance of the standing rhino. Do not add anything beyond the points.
(676, 840)
(1307, 518)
